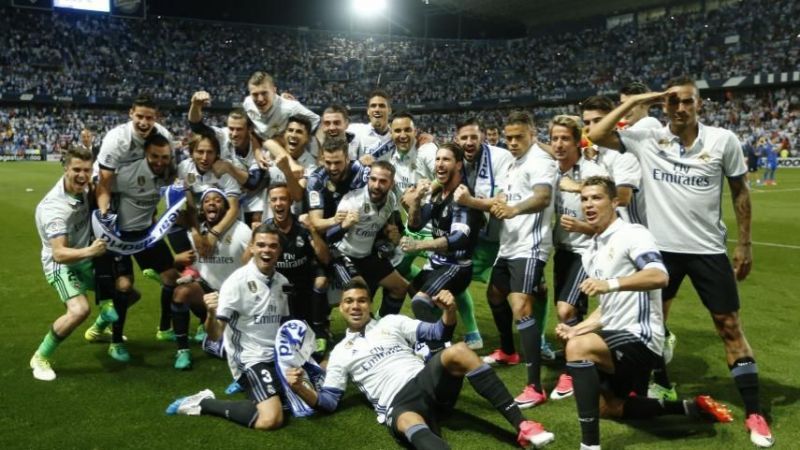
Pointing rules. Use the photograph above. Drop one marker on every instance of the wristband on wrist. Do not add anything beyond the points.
(613, 284)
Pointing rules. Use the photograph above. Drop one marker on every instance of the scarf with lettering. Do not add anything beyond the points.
(294, 345)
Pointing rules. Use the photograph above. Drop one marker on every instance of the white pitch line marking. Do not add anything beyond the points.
(772, 244)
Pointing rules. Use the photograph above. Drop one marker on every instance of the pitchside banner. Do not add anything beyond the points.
(789, 163)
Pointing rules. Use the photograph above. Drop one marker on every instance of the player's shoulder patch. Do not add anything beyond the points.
(314, 199)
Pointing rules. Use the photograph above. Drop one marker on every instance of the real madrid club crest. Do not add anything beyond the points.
(300, 242)
(252, 286)
(330, 186)
(704, 156)
(190, 179)
(610, 252)
(367, 208)
(664, 143)
(140, 180)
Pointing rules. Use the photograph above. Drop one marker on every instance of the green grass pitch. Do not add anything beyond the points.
(98, 403)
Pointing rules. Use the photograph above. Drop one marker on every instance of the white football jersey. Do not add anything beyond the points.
(625, 171)
(227, 256)
(122, 145)
(59, 214)
(368, 137)
(569, 203)
(137, 193)
(622, 250)
(270, 123)
(528, 235)
(380, 361)
(252, 305)
(683, 186)
(359, 239)
(198, 183)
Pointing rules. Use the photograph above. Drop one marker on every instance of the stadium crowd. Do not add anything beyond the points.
(71, 54)
(774, 113)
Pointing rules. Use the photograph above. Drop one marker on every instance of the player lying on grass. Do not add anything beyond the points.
(409, 394)
(623, 338)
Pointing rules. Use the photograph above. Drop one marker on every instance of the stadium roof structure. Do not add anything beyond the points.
(538, 12)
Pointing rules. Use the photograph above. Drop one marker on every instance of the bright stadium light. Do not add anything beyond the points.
(369, 8)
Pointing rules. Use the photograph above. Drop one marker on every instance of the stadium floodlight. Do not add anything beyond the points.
(369, 8)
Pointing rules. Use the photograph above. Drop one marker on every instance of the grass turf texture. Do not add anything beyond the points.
(98, 403)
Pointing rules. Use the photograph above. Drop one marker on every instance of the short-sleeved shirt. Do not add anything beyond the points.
(368, 136)
(683, 186)
(405, 164)
(252, 305)
(122, 145)
(227, 256)
(61, 214)
(359, 239)
(625, 170)
(569, 203)
(297, 255)
(270, 123)
(137, 191)
(199, 182)
(621, 250)
(528, 235)
(322, 193)
(380, 361)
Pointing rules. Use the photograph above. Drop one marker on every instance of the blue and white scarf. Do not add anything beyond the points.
(294, 344)
(175, 200)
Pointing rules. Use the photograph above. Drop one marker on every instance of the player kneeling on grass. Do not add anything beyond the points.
(624, 337)
(62, 219)
(249, 309)
(213, 270)
(409, 394)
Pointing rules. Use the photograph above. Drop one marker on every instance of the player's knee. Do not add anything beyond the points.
(266, 422)
(611, 408)
(170, 277)
(566, 312)
(576, 349)
(181, 294)
(494, 295)
(124, 284)
(728, 326)
(78, 310)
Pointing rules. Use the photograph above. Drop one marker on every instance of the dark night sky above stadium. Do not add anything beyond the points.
(408, 17)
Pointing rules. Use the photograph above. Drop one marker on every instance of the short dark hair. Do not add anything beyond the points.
(335, 145)
(144, 101)
(358, 283)
(597, 103)
(156, 139)
(385, 165)
(76, 152)
(520, 117)
(492, 126)
(265, 228)
(338, 109)
(380, 93)
(606, 182)
(302, 120)
(469, 121)
(455, 149)
(633, 88)
(276, 185)
(240, 113)
(402, 115)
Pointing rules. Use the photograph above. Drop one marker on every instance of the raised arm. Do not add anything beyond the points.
(603, 134)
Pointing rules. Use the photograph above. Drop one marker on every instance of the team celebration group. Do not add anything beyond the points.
(281, 215)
